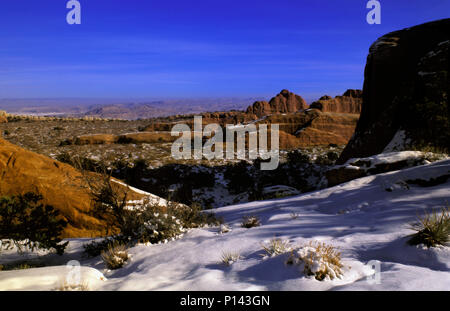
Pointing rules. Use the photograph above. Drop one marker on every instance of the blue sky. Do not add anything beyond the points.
(193, 48)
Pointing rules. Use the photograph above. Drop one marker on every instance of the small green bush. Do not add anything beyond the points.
(432, 229)
(26, 223)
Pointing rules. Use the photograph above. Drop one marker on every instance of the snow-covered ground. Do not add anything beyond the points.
(361, 218)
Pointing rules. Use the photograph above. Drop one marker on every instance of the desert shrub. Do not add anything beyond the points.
(183, 194)
(115, 256)
(239, 177)
(65, 286)
(151, 224)
(298, 157)
(319, 260)
(229, 257)
(276, 247)
(79, 162)
(95, 248)
(65, 142)
(250, 222)
(27, 223)
(147, 222)
(256, 192)
(193, 216)
(432, 229)
(327, 159)
(21, 265)
(332, 156)
(124, 140)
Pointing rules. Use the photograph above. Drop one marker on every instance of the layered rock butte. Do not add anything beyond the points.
(349, 102)
(285, 102)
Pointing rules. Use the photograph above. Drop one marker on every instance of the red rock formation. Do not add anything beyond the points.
(60, 184)
(313, 128)
(349, 102)
(285, 102)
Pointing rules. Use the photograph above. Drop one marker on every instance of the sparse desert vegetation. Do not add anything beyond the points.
(317, 259)
(276, 247)
(115, 256)
(250, 222)
(229, 257)
(432, 229)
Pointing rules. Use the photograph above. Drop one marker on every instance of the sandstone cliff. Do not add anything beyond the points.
(406, 86)
(61, 186)
(349, 102)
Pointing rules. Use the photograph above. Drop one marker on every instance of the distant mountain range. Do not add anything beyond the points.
(130, 110)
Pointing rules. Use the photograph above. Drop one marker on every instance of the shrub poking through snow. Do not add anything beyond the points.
(319, 260)
(432, 229)
(250, 222)
(152, 224)
(276, 247)
(95, 248)
(115, 257)
(73, 287)
(193, 216)
(228, 258)
(294, 215)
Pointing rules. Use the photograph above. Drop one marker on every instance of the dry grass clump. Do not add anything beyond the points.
(294, 215)
(276, 247)
(65, 286)
(115, 256)
(229, 257)
(319, 260)
(432, 229)
(250, 222)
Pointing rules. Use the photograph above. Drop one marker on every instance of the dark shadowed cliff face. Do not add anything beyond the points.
(406, 86)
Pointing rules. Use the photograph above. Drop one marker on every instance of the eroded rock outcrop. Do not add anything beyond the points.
(285, 102)
(406, 84)
(61, 186)
(349, 102)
